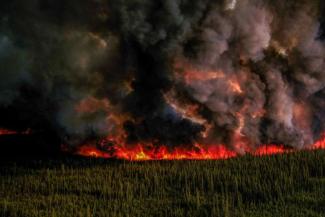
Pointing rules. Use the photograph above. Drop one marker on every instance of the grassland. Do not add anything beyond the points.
(286, 185)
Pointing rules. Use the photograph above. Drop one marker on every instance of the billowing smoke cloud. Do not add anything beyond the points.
(272, 63)
(169, 72)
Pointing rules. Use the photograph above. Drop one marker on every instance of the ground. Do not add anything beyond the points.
(283, 185)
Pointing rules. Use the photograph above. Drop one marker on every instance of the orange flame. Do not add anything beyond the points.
(142, 152)
(271, 150)
(149, 152)
(91, 151)
(320, 144)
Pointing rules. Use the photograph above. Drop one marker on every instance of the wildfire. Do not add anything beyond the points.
(4, 132)
(271, 150)
(142, 152)
(149, 152)
(91, 151)
(320, 144)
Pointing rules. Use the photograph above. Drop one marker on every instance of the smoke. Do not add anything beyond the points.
(231, 4)
(173, 72)
(13, 62)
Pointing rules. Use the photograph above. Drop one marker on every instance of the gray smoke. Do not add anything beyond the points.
(101, 68)
(277, 61)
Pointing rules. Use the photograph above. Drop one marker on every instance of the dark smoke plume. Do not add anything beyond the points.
(172, 72)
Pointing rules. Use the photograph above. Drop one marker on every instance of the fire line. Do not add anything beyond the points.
(198, 152)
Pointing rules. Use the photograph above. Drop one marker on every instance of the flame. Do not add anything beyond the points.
(142, 152)
(115, 146)
(198, 152)
(271, 150)
(149, 152)
(320, 144)
(4, 132)
(91, 151)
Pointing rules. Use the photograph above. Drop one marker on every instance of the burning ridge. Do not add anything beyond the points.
(165, 79)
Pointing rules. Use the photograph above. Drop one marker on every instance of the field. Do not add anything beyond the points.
(283, 185)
